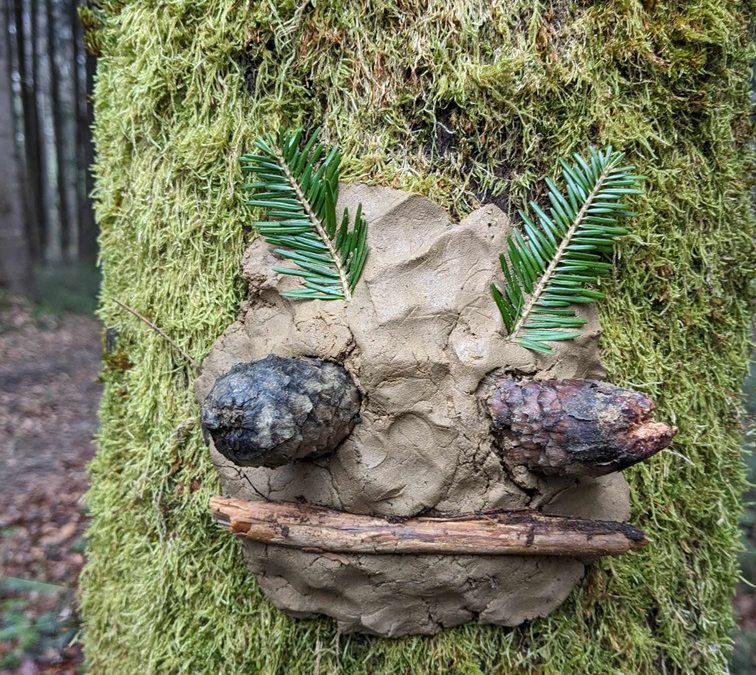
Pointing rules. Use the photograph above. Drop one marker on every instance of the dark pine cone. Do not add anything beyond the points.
(575, 427)
(276, 410)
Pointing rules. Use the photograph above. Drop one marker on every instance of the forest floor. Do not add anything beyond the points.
(49, 392)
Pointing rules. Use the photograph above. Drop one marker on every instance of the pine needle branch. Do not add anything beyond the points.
(316, 224)
(551, 268)
(297, 183)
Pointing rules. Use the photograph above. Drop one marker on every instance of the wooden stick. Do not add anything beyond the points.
(319, 529)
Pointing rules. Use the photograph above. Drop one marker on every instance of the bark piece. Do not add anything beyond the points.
(314, 528)
(575, 427)
(276, 410)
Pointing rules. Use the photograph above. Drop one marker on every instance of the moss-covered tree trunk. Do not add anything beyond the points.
(464, 101)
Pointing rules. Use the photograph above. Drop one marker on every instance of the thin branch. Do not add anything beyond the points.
(316, 528)
(149, 323)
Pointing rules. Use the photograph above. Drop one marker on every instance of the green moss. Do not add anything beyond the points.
(462, 101)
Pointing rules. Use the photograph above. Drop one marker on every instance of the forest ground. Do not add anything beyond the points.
(49, 392)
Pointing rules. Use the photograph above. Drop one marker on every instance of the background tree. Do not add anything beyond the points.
(466, 102)
(15, 251)
(48, 80)
(61, 167)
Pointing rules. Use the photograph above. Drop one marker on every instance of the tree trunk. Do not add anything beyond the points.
(85, 120)
(466, 102)
(33, 184)
(61, 165)
(86, 234)
(39, 168)
(16, 274)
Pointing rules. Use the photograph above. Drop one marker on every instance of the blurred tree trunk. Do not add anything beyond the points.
(36, 134)
(33, 185)
(56, 106)
(88, 224)
(51, 108)
(86, 228)
(16, 273)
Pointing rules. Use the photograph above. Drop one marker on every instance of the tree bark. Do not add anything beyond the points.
(87, 224)
(575, 427)
(314, 528)
(86, 235)
(16, 273)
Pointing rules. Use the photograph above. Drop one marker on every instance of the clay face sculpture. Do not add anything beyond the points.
(420, 339)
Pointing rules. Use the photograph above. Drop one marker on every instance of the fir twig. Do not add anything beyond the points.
(551, 267)
(297, 184)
